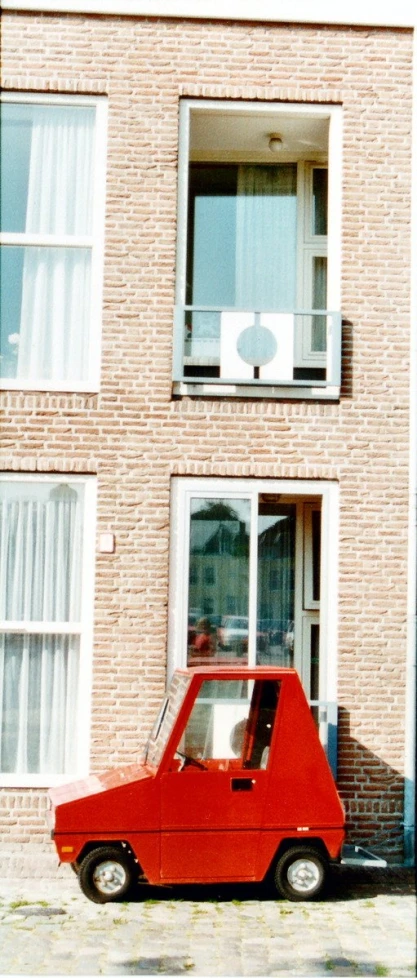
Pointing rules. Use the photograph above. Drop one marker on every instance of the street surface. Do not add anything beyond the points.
(366, 926)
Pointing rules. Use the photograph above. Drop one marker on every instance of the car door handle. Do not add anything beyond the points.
(242, 784)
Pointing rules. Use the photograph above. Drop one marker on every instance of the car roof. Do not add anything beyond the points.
(244, 672)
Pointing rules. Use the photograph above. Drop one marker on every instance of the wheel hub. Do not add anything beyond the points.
(304, 875)
(109, 877)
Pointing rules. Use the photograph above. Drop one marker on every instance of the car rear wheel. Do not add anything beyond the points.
(301, 873)
(106, 874)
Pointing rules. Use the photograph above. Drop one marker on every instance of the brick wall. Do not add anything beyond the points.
(135, 436)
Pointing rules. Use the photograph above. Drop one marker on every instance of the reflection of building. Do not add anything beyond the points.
(276, 572)
(193, 206)
(219, 569)
(219, 566)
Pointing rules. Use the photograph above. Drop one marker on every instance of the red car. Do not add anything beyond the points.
(234, 787)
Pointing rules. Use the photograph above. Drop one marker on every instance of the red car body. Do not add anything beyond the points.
(211, 819)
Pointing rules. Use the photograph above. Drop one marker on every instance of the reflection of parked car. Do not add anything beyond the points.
(277, 631)
(289, 637)
(233, 634)
(273, 629)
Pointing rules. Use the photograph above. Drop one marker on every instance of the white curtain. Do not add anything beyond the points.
(266, 237)
(40, 566)
(55, 309)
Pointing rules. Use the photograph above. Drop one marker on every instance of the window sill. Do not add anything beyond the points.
(39, 780)
(47, 386)
(278, 393)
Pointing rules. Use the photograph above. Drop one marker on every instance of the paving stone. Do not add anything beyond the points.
(359, 934)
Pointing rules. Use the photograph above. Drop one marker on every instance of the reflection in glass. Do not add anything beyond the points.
(164, 723)
(219, 554)
(276, 568)
(242, 236)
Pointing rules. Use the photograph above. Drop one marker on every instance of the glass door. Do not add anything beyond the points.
(254, 582)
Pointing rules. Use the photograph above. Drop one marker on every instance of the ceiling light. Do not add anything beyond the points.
(275, 142)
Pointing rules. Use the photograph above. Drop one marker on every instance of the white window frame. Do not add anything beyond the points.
(94, 242)
(309, 603)
(83, 628)
(306, 243)
(310, 246)
(299, 491)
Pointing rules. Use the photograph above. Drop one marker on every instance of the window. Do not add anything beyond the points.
(46, 565)
(258, 262)
(209, 574)
(273, 546)
(232, 721)
(51, 237)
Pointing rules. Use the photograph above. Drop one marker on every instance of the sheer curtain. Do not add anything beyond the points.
(40, 564)
(266, 237)
(55, 308)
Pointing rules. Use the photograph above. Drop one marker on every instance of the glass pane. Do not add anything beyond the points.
(213, 728)
(319, 328)
(202, 337)
(236, 729)
(242, 236)
(38, 704)
(276, 573)
(218, 579)
(319, 201)
(46, 168)
(40, 551)
(212, 235)
(314, 667)
(45, 313)
(316, 551)
(168, 714)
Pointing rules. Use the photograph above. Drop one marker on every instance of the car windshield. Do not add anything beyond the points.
(166, 718)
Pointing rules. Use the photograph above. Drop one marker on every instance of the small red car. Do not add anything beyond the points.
(234, 787)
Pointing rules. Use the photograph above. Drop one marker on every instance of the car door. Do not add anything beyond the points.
(213, 795)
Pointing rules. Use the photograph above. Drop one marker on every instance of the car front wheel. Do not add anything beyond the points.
(106, 874)
(301, 873)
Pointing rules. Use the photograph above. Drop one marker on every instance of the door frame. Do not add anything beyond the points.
(298, 490)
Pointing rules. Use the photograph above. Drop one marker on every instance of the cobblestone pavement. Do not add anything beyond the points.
(366, 926)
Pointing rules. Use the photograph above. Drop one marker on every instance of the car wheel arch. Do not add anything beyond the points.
(88, 847)
(315, 842)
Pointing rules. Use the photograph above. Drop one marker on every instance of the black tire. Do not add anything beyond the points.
(106, 874)
(301, 873)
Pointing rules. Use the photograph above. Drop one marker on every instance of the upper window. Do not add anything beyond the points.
(52, 186)
(257, 295)
(46, 556)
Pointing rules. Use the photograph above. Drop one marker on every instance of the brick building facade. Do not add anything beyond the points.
(158, 446)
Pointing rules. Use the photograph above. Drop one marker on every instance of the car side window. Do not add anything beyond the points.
(230, 725)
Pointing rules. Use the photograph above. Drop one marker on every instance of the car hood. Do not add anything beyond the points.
(96, 783)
